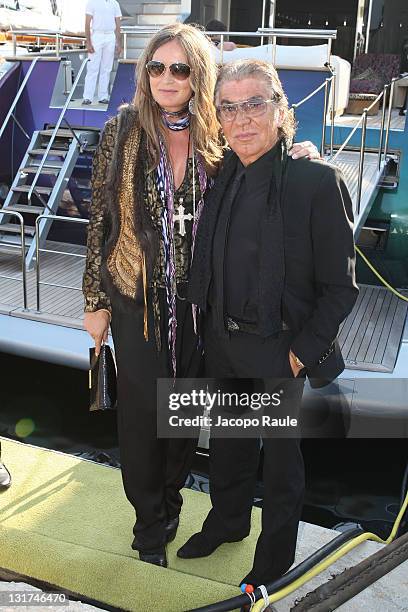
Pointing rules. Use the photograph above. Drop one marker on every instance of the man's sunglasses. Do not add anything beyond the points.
(254, 107)
(180, 71)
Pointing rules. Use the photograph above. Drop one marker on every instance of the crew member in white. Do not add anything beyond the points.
(101, 46)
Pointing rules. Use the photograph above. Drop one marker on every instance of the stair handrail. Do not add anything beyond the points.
(333, 157)
(391, 99)
(361, 158)
(333, 109)
(23, 254)
(55, 131)
(362, 121)
(18, 95)
(39, 250)
(383, 113)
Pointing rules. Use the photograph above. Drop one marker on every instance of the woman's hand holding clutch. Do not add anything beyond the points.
(97, 325)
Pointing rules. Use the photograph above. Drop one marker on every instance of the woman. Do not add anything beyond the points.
(154, 163)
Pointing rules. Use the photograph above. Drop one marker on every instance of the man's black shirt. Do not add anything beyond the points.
(241, 238)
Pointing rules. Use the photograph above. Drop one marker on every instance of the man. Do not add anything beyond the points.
(273, 271)
(5, 477)
(101, 46)
(218, 26)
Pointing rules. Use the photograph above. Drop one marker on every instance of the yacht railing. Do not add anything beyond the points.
(333, 109)
(363, 122)
(18, 96)
(387, 95)
(391, 94)
(56, 128)
(59, 38)
(22, 248)
(274, 33)
(383, 113)
(386, 112)
(324, 85)
(271, 33)
(39, 250)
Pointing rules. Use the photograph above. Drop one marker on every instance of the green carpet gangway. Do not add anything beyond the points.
(66, 521)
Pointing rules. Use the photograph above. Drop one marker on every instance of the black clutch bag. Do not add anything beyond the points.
(102, 379)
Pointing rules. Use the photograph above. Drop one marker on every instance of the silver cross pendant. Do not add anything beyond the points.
(182, 218)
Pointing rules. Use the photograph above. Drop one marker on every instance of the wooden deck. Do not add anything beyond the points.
(62, 306)
(370, 337)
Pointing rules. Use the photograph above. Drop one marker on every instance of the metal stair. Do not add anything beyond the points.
(56, 169)
(153, 13)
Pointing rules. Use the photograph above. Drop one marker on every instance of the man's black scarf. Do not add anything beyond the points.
(271, 271)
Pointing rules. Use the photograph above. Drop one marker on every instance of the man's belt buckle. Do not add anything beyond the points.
(250, 328)
(232, 325)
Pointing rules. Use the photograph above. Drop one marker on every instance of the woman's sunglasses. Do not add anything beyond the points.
(180, 71)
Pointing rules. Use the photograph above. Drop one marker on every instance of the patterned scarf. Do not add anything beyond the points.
(176, 125)
(165, 188)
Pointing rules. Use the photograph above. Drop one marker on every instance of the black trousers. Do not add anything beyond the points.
(153, 470)
(234, 462)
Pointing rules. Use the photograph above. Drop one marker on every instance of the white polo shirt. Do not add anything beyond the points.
(103, 14)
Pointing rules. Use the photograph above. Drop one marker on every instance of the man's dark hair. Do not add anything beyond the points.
(215, 26)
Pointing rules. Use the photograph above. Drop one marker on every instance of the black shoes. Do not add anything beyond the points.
(200, 546)
(86, 102)
(5, 477)
(171, 529)
(157, 558)
(104, 101)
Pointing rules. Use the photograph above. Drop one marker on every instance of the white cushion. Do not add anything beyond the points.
(308, 57)
(314, 56)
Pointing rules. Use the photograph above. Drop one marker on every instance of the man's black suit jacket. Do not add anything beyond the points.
(320, 288)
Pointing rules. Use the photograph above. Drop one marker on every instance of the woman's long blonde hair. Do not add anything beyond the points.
(204, 125)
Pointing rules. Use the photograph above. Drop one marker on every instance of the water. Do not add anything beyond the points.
(47, 405)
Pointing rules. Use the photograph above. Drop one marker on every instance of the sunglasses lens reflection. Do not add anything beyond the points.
(155, 69)
(180, 71)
